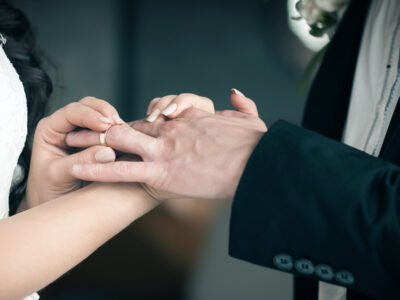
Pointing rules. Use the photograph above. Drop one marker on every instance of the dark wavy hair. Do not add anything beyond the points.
(23, 53)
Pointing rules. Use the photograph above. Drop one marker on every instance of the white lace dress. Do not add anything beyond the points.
(13, 130)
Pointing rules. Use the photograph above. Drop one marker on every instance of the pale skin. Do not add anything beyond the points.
(45, 241)
(185, 156)
(48, 238)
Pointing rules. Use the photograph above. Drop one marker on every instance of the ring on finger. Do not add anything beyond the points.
(103, 138)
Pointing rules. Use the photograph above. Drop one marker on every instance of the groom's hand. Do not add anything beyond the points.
(198, 155)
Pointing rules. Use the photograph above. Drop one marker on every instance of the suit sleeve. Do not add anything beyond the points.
(317, 208)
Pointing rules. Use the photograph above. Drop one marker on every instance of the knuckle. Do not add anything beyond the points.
(101, 105)
(182, 98)
(169, 97)
(166, 146)
(208, 101)
(115, 134)
(208, 104)
(43, 133)
(106, 108)
(87, 99)
(186, 95)
(72, 106)
(191, 112)
(122, 169)
(94, 172)
(42, 123)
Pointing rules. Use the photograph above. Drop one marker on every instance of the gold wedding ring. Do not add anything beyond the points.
(103, 138)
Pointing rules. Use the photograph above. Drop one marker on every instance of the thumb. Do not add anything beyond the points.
(243, 104)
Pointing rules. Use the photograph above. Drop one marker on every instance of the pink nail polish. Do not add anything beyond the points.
(170, 109)
(153, 116)
(237, 92)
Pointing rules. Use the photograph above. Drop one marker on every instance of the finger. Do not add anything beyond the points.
(242, 119)
(103, 107)
(126, 139)
(122, 138)
(87, 138)
(158, 106)
(82, 138)
(155, 101)
(231, 113)
(192, 113)
(243, 104)
(120, 171)
(151, 105)
(75, 115)
(95, 154)
(185, 101)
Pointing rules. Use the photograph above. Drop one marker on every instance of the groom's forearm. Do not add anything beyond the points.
(309, 197)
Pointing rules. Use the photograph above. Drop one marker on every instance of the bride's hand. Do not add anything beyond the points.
(171, 106)
(49, 175)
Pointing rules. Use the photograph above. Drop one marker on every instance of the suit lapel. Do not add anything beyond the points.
(391, 146)
(329, 96)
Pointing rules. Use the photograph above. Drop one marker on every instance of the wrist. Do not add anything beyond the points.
(128, 199)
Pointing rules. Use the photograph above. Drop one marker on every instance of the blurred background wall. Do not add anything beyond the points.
(128, 52)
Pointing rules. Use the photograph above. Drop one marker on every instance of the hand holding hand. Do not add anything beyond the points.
(49, 175)
(172, 105)
(198, 154)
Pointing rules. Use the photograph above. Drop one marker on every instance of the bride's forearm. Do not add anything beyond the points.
(40, 244)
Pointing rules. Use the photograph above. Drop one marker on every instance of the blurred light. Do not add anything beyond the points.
(301, 29)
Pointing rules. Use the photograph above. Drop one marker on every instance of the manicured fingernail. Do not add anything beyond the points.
(105, 120)
(105, 155)
(169, 109)
(153, 116)
(77, 168)
(237, 92)
(117, 119)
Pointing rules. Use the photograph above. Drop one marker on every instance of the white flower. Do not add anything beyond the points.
(309, 11)
(314, 10)
(321, 15)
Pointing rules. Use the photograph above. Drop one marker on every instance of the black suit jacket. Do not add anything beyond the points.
(312, 206)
